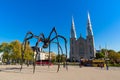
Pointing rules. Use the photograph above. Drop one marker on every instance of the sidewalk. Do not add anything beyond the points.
(10, 72)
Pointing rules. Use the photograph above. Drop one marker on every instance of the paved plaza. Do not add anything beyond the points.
(12, 72)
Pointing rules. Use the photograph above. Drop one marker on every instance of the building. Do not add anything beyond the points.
(81, 47)
(42, 55)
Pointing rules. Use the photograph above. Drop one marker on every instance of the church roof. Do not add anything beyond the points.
(81, 39)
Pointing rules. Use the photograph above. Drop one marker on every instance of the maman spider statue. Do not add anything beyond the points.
(46, 43)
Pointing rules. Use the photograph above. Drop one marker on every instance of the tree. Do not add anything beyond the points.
(100, 55)
(53, 56)
(6, 48)
(60, 58)
(111, 51)
(113, 56)
(12, 51)
(16, 51)
(28, 55)
(63, 57)
(104, 51)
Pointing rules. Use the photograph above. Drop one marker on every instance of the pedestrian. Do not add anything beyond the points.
(101, 65)
(107, 67)
(80, 63)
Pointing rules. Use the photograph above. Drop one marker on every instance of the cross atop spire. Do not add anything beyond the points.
(73, 31)
(89, 26)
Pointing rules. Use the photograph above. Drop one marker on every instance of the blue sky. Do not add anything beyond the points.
(39, 16)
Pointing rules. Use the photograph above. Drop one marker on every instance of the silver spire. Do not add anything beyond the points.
(73, 31)
(89, 26)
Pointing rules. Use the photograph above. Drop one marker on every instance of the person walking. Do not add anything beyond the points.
(80, 63)
(107, 67)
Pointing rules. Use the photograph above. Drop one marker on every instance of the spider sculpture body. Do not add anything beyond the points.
(46, 44)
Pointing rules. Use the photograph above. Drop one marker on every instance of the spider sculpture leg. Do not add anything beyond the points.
(35, 56)
(56, 37)
(21, 61)
(34, 61)
(59, 57)
(39, 38)
(65, 50)
(22, 55)
(49, 37)
(59, 36)
(28, 36)
(60, 49)
(49, 56)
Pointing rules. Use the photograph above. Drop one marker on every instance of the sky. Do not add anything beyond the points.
(17, 17)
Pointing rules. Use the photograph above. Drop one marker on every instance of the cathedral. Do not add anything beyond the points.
(81, 47)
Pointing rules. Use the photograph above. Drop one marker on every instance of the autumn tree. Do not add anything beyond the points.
(113, 56)
(53, 57)
(28, 54)
(16, 51)
(6, 49)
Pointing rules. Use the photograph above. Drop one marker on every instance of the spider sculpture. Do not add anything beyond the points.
(46, 44)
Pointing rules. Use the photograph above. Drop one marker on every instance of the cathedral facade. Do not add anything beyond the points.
(81, 47)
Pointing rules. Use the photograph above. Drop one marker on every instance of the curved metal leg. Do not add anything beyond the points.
(22, 57)
(56, 37)
(21, 63)
(58, 63)
(59, 36)
(34, 62)
(49, 56)
(34, 67)
(66, 55)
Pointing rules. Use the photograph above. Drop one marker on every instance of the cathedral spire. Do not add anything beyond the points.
(73, 31)
(89, 26)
